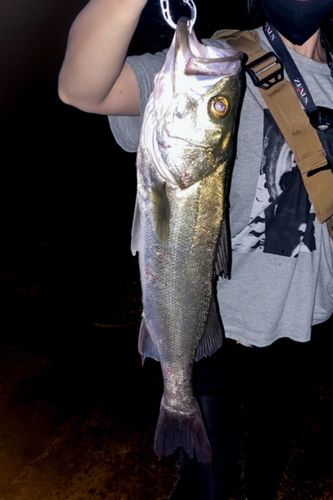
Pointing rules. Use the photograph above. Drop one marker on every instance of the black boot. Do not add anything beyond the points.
(272, 411)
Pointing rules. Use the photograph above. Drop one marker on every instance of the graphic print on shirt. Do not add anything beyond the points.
(282, 219)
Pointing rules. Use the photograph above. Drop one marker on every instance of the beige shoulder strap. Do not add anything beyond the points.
(287, 111)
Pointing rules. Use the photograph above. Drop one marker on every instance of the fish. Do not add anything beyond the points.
(184, 159)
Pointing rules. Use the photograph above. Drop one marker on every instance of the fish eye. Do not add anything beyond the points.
(219, 106)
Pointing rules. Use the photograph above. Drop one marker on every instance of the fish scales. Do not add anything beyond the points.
(184, 156)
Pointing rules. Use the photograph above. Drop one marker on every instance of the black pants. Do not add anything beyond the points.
(258, 391)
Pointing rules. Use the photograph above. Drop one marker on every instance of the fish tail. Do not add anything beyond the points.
(174, 430)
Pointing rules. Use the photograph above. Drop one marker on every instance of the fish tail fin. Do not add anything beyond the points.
(174, 430)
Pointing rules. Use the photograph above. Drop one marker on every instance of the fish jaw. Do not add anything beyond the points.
(187, 57)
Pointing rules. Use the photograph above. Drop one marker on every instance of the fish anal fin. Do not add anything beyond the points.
(160, 211)
(146, 346)
(188, 431)
(211, 340)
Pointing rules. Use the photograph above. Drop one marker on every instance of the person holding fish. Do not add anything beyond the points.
(212, 148)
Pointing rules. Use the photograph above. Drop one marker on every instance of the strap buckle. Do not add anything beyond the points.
(266, 71)
(321, 118)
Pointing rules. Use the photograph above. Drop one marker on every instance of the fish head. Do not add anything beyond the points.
(196, 96)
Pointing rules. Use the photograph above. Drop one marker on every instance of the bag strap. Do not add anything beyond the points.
(266, 71)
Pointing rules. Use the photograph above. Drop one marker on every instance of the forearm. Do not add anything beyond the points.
(96, 49)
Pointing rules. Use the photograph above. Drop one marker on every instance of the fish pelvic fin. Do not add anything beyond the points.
(212, 337)
(188, 431)
(146, 346)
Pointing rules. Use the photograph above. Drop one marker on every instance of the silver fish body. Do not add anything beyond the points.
(184, 155)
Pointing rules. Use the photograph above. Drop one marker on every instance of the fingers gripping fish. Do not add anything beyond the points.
(183, 159)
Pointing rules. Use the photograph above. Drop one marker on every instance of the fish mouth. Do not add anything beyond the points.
(194, 58)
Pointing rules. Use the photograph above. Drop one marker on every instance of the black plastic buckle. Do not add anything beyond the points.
(321, 118)
(258, 71)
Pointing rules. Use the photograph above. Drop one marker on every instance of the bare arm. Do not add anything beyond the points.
(93, 76)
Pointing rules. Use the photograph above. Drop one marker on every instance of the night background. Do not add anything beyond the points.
(78, 413)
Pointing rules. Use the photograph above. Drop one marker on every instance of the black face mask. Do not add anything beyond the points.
(296, 20)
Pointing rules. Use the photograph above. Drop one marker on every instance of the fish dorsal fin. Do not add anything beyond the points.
(223, 252)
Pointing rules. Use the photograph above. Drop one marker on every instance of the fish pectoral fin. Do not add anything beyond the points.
(146, 346)
(135, 229)
(211, 340)
(160, 211)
